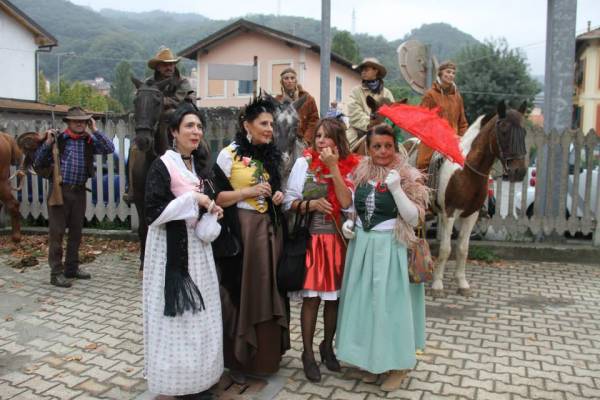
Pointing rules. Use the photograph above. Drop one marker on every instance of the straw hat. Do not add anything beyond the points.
(372, 62)
(164, 55)
(76, 114)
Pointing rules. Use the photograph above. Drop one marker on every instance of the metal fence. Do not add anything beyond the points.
(518, 215)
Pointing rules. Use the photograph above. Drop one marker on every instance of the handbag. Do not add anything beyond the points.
(420, 262)
(291, 267)
(208, 228)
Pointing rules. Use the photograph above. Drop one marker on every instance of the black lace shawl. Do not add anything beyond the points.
(181, 293)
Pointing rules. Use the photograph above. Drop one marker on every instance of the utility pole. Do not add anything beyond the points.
(558, 95)
(325, 54)
(70, 53)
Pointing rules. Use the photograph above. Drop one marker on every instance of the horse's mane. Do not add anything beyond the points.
(470, 135)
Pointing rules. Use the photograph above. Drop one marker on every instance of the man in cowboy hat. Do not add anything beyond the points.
(77, 146)
(372, 73)
(164, 64)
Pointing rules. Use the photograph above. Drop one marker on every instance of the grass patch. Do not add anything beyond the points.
(483, 254)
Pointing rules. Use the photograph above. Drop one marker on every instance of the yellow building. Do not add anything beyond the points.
(586, 102)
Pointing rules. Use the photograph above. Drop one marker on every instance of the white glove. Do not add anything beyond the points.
(393, 180)
(406, 208)
(348, 229)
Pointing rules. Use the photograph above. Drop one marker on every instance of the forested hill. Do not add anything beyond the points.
(100, 40)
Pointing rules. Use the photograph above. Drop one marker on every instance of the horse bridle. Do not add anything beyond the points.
(516, 151)
(143, 126)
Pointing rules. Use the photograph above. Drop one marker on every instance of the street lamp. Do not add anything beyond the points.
(70, 53)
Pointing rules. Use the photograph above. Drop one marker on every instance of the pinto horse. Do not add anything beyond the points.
(462, 191)
(10, 154)
(151, 141)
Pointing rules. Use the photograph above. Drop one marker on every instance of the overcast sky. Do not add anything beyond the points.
(521, 22)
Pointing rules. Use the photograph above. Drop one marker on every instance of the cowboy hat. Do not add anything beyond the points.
(76, 114)
(164, 55)
(372, 62)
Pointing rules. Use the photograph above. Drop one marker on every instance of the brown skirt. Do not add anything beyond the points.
(256, 331)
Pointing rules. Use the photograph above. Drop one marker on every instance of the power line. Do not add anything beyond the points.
(495, 93)
(525, 46)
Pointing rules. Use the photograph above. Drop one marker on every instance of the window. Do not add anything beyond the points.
(244, 88)
(216, 88)
(338, 89)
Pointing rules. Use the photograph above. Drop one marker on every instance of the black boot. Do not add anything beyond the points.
(311, 369)
(328, 357)
(60, 280)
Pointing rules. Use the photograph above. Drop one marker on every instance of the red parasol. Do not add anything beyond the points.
(427, 125)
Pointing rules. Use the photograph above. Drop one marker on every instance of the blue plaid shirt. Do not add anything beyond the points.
(72, 162)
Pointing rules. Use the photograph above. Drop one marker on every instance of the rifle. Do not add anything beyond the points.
(56, 196)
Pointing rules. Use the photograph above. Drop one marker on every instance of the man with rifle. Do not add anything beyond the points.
(70, 154)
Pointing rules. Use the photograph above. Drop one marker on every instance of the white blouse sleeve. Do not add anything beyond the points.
(182, 207)
(295, 183)
(225, 162)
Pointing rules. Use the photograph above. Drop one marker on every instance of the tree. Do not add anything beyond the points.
(80, 94)
(490, 72)
(345, 46)
(122, 89)
(42, 88)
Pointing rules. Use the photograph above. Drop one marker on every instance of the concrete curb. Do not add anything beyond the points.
(109, 234)
(581, 252)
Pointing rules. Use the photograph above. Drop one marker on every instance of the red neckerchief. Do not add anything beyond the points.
(75, 136)
(320, 170)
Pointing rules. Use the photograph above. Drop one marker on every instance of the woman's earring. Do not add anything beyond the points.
(249, 137)
(174, 144)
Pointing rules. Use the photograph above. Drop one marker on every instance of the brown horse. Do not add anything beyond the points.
(151, 141)
(360, 147)
(462, 191)
(10, 154)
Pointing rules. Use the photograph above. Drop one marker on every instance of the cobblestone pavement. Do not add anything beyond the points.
(531, 331)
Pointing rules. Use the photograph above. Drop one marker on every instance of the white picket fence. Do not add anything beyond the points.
(577, 183)
(520, 217)
(108, 205)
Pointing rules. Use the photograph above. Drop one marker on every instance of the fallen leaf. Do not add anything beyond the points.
(9, 318)
(128, 369)
(73, 358)
(91, 346)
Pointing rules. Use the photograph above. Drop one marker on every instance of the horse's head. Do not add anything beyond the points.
(510, 140)
(374, 105)
(285, 127)
(148, 103)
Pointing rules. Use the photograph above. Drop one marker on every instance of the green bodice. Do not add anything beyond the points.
(374, 204)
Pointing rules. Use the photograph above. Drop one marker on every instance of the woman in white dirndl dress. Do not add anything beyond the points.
(183, 348)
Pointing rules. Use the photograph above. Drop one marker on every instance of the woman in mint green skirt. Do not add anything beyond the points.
(377, 330)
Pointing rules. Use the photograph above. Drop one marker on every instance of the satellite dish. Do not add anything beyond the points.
(414, 60)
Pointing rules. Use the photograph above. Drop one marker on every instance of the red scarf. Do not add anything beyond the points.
(345, 165)
(75, 136)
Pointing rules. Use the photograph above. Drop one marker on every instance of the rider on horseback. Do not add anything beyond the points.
(176, 91)
(443, 94)
(308, 113)
(372, 73)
